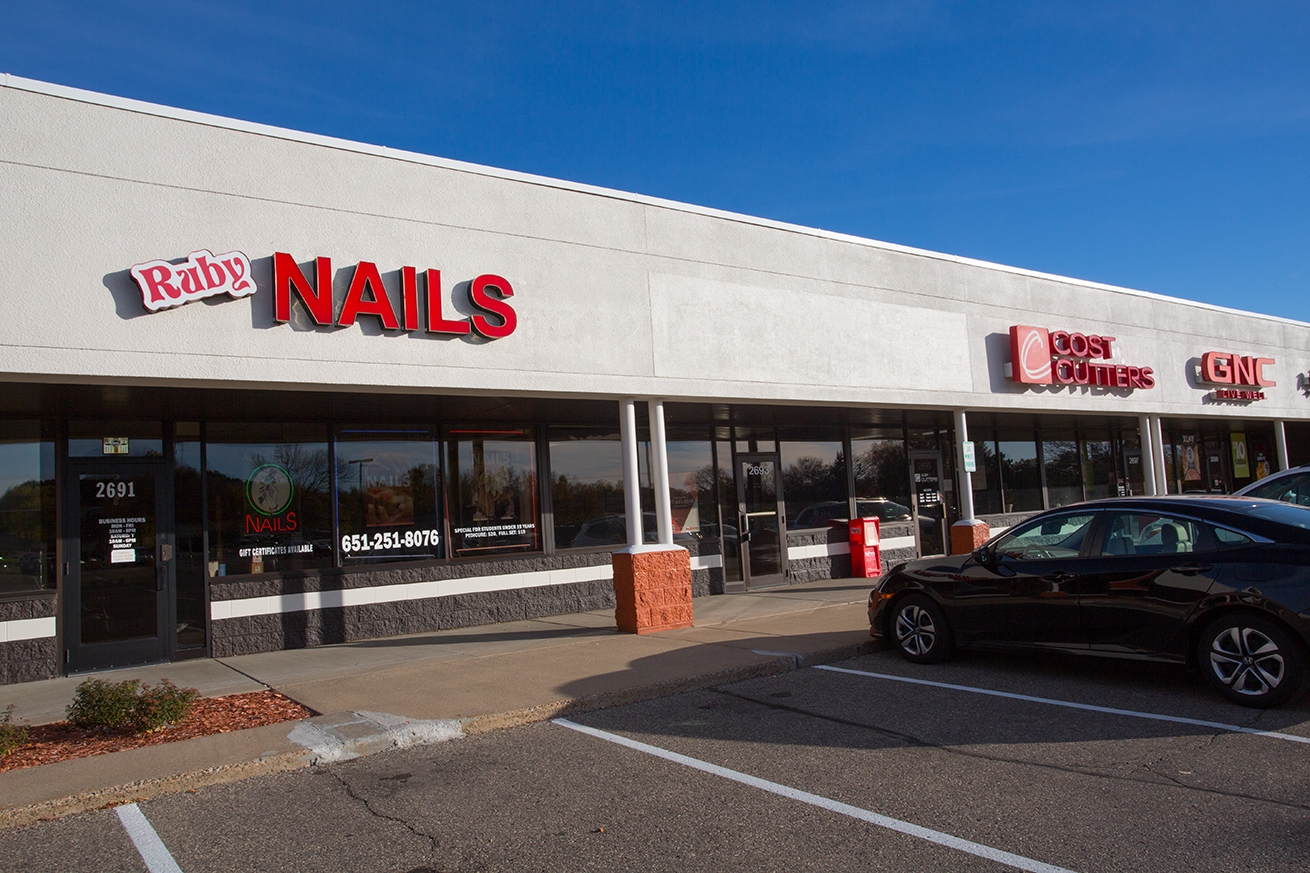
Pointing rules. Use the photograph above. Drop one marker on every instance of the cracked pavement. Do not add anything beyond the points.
(1081, 790)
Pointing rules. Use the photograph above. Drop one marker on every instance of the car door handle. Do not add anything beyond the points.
(1192, 569)
(1060, 577)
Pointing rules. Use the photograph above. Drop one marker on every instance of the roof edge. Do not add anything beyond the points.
(186, 115)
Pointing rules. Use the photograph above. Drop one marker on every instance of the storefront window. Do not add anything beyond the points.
(1190, 471)
(586, 489)
(269, 498)
(27, 508)
(1021, 478)
(1170, 468)
(1100, 478)
(1064, 480)
(387, 487)
(986, 479)
(493, 504)
(1260, 449)
(882, 483)
(691, 490)
(814, 483)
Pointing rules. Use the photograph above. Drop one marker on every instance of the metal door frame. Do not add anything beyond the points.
(79, 658)
(743, 527)
(944, 532)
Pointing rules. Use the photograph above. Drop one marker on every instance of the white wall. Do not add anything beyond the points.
(615, 294)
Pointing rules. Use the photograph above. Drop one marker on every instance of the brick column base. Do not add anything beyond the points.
(966, 537)
(652, 589)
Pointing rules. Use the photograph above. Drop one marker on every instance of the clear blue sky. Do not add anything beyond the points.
(1163, 146)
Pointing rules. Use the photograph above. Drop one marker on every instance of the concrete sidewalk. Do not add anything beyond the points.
(400, 691)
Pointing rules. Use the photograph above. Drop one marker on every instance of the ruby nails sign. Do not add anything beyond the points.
(204, 274)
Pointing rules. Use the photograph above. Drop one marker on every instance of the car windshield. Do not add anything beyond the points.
(1283, 513)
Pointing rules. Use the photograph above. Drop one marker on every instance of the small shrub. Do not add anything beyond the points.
(130, 704)
(12, 736)
(98, 703)
(163, 705)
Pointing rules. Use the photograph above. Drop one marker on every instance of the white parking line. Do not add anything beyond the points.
(1232, 728)
(147, 842)
(913, 830)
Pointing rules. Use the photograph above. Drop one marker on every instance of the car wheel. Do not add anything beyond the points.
(920, 631)
(1251, 659)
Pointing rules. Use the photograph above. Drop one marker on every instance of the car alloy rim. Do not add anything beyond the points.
(1247, 661)
(915, 631)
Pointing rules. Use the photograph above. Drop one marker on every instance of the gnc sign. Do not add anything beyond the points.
(1039, 356)
(1225, 368)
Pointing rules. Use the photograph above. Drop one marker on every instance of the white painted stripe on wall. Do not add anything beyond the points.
(26, 629)
(828, 550)
(278, 604)
(706, 562)
(939, 838)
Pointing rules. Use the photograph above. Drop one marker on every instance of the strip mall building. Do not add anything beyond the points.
(266, 389)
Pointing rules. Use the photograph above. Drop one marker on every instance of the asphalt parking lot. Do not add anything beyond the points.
(997, 763)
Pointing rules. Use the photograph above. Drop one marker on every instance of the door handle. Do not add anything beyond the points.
(1059, 578)
(1192, 569)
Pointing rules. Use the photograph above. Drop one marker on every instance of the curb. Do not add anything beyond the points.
(344, 747)
(135, 792)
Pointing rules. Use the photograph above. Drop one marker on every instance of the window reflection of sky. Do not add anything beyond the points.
(19, 463)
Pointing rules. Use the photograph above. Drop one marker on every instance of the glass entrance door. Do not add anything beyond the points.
(763, 532)
(119, 563)
(929, 507)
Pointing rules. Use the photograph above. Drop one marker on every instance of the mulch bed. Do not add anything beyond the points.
(48, 743)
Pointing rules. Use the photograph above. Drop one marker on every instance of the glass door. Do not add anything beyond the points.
(763, 531)
(118, 565)
(929, 508)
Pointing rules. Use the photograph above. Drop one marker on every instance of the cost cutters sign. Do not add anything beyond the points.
(1057, 357)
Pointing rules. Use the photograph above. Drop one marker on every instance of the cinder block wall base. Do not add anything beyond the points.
(652, 590)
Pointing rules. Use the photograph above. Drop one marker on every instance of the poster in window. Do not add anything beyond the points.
(683, 502)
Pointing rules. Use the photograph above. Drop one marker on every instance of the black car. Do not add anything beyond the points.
(1218, 583)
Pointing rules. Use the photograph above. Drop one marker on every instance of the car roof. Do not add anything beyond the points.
(1257, 514)
(1273, 477)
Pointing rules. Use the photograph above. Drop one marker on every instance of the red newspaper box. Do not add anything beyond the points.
(866, 548)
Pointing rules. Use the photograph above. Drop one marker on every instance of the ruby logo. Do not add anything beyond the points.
(1030, 355)
(202, 274)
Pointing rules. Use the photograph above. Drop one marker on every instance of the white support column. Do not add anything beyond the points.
(1148, 453)
(1161, 469)
(1280, 443)
(659, 459)
(631, 481)
(964, 477)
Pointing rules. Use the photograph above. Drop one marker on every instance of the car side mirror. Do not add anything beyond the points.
(982, 555)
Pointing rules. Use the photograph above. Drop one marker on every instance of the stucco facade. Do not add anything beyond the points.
(731, 321)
